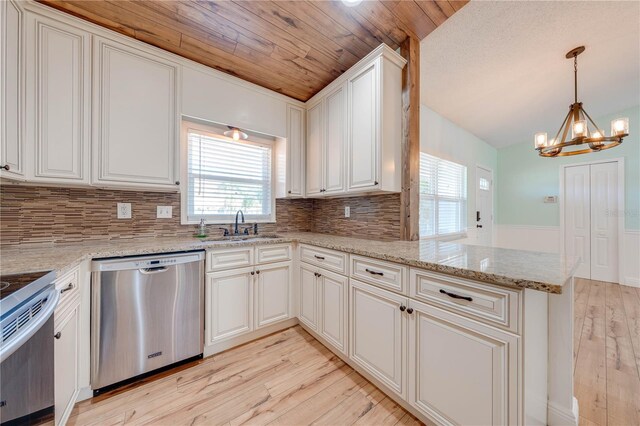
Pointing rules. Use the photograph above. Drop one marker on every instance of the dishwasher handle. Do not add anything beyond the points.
(153, 270)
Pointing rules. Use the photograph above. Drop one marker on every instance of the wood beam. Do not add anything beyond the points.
(410, 196)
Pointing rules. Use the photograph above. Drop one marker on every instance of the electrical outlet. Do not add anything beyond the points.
(124, 210)
(164, 212)
(347, 211)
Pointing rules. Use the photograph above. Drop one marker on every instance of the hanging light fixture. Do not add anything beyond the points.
(235, 133)
(586, 136)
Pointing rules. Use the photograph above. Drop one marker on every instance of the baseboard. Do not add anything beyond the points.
(245, 338)
(632, 281)
(560, 416)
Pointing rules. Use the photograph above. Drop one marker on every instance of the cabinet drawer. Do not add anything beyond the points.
(273, 253)
(329, 259)
(495, 305)
(68, 285)
(218, 260)
(383, 274)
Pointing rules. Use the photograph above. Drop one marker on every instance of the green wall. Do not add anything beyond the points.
(524, 178)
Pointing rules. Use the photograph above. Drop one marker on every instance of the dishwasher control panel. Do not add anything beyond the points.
(146, 262)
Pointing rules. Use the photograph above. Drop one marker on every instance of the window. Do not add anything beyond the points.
(443, 197)
(224, 176)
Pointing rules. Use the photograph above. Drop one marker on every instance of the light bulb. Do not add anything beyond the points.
(352, 3)
(579, 129)
(540, 139)
(551, 142)
(620, 126)
(235, 135)
(598, 133)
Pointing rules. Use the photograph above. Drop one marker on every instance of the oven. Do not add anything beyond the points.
(27, 302)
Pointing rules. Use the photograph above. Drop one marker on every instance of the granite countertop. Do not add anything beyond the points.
(512, 268)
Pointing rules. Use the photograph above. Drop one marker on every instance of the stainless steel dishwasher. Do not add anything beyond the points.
(147, 312)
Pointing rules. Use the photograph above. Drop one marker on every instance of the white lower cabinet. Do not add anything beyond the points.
(460, 371)
(229, 303)
(66, 350)
(332, 307)
(308, 290)
(378, 334)
(273, 293)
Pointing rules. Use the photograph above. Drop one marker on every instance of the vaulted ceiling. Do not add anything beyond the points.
(292, 47)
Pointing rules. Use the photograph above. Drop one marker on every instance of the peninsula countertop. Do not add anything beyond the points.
(505, 267)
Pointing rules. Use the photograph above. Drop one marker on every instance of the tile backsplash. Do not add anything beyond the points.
(57, 215)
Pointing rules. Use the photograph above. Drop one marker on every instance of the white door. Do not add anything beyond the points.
(295, 151)
(604, 222)
(66, 349)
(229, 298)
(135, 117)
(363, 137)
(315, 137)
(463, 372)
(11, 97)
(333, 294)
(577, 217)
(308, 289)
(590, 219)
(273, 293)
(58, 100)
(334, 145)
(378, 337)
(484, 206)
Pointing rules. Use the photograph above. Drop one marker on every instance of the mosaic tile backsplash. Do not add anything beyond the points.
(58, 215)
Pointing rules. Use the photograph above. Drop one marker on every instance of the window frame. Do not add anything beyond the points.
(465, 211)
(216, 131)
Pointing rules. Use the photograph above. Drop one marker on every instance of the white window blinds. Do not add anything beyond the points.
(224, 176)
(443, 197)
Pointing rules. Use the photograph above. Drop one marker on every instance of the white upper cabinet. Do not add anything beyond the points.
(315, 142)
(295, 151)
(12, 155)
(334, 141)
(136, 121)
(363, 141)
(361, 113)
(58, 101)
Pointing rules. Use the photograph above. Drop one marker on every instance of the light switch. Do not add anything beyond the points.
(347, 211)
(164, 212)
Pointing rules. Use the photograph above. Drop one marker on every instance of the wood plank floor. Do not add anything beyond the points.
(607, 353)
(291, 379)
(287, 378)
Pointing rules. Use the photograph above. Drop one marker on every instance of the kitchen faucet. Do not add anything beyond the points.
(235, 228)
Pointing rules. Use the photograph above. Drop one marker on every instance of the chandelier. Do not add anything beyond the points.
(586, 136)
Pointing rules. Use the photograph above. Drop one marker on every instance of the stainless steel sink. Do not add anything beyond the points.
(242, 238)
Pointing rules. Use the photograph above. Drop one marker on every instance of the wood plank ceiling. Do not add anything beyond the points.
(292, 47)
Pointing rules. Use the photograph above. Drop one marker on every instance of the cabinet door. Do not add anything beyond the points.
(58, 98)
(334, 142)
(273, 293)
(378, 335)
(308, 290)
(364, 131)
(333, 294)
(11, 96)
(295, 151)
(315, 137)
(229, 304)
(66, 350)
(461, 372)
(135, 117)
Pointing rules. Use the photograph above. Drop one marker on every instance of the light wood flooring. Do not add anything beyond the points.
(291, 379)
(607, 353)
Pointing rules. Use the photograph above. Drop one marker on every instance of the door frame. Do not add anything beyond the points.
(490, 170)
(621, 208)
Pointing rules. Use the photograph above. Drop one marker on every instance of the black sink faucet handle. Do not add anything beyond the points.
(226, 231)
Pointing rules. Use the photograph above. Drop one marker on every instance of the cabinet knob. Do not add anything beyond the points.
(288, 192)
(375, 183)
(252, 273)
(258, 272)
(403, 308)
(177, 182)
(57, 335)
(410, 311)
(6, 167)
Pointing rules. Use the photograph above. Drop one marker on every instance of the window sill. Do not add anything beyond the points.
(447, 237)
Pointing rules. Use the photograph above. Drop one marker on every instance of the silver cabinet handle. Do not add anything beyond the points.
(67, 288)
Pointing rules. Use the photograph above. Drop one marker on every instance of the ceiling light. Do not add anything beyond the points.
(579, 121)
(235, 133)
(352, 3)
